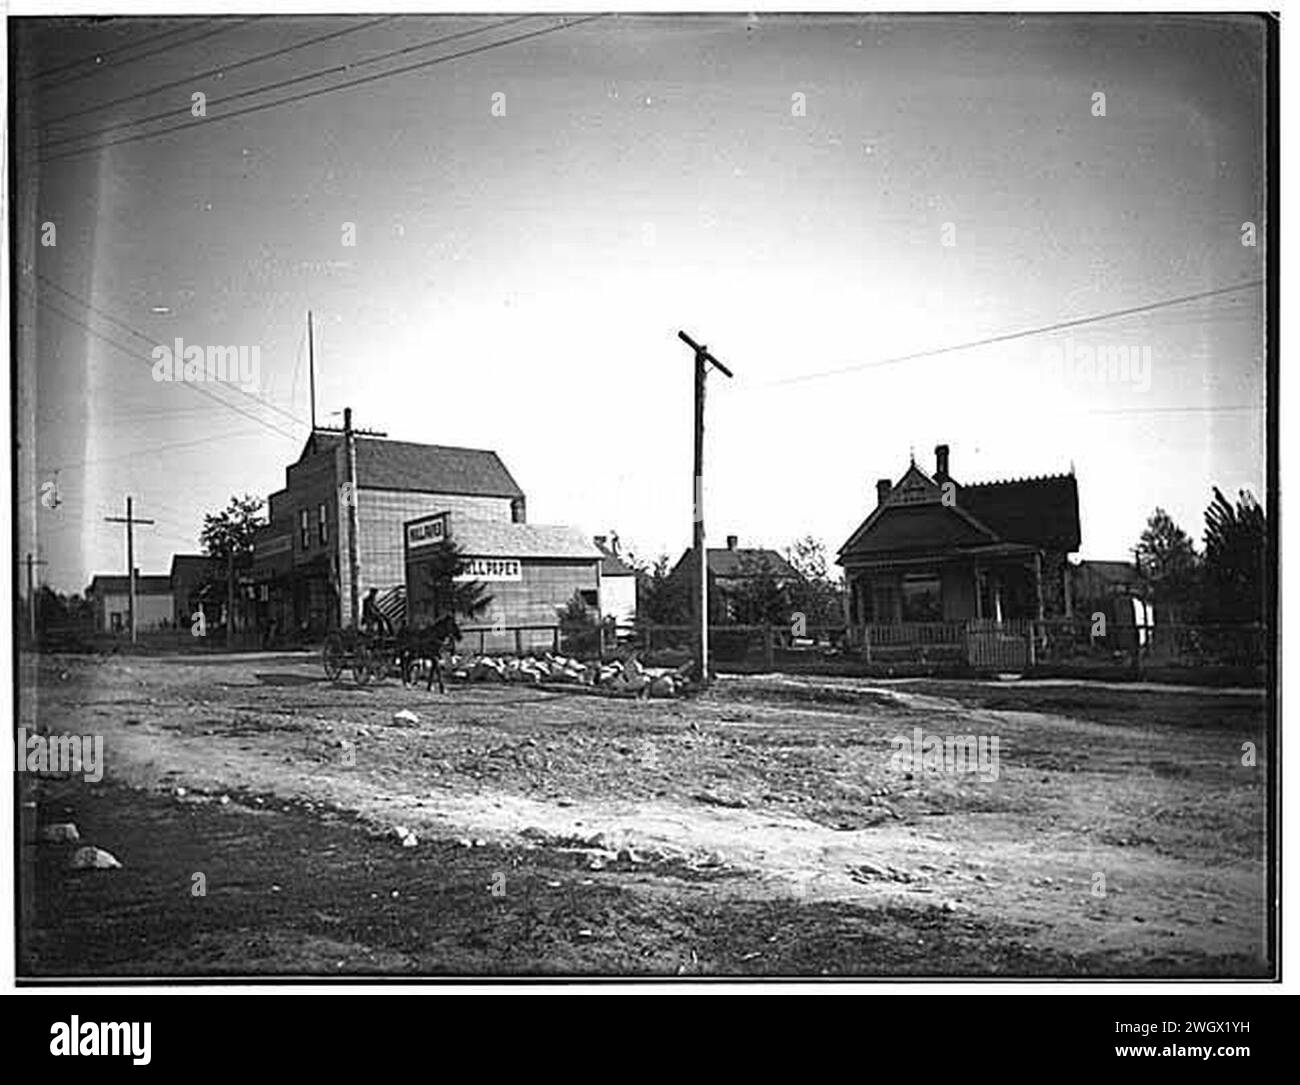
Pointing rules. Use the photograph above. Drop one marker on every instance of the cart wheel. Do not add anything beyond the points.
(332, 657)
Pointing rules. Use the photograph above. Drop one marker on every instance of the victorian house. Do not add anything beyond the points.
(938, 550)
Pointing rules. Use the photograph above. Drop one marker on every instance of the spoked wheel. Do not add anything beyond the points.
(332, 657)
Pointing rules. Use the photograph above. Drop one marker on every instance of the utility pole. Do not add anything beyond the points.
(354, 560)
(230, 592)
(311, 369)
(31, 594)
(703, 359)
(130, 522)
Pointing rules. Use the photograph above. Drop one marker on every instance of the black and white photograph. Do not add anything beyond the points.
(656, 497)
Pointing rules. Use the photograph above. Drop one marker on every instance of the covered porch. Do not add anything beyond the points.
(999, 582)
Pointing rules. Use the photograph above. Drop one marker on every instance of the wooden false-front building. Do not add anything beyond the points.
(936, 550)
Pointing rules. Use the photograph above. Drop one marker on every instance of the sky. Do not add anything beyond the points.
(812, 197)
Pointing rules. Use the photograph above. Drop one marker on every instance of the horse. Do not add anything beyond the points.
(427, 642)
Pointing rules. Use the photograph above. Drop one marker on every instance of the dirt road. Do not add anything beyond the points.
(766, 829)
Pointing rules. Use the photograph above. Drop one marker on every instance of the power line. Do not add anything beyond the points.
(1010, 336)
(221, 69)
(154, 343)
(228, 25)
(199, 388)
(320, 91)
(74, 466)
(1178, 410)
(99, 57)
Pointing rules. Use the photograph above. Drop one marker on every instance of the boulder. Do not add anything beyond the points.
(89, 858)
(62, 833)
(662, 686)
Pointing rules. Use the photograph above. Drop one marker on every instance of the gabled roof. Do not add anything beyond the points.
(120, 585)
(404, 465)
(728, 564)
(921, 516)
(1107, 577)
(1042, 511)
(611, 564)
(190, 565)
(919, 527)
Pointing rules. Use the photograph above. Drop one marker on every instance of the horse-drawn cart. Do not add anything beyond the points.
(368, 655)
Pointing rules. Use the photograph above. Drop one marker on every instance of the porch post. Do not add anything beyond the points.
(979, 600)
(1038, 582)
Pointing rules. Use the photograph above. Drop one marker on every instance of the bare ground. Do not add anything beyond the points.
(759, 830)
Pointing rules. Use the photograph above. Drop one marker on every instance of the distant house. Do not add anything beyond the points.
(617, 583)
(732, 569)
(935, 550)
(109, 597)
(1114, 590)
(189, 577)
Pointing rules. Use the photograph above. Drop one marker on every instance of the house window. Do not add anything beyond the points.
(922, 599)
(322, 526)
(115, 618)
(590, 598)
(304, 528)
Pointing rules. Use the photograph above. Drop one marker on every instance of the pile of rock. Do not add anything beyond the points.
(627, 677)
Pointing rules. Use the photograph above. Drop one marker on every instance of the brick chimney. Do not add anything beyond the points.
(883, 486)
(732, 540)
(941, 462)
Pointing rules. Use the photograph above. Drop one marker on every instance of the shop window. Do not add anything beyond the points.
(322, 526)
(304, 528)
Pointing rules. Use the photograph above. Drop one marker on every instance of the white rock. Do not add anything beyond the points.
(89, 858)
(63, 833)
(405, 716)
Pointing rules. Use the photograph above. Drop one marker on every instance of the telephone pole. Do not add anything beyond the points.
(311, 369)
(130, 520)
(31, 594)
(703, 359)
(354, 560)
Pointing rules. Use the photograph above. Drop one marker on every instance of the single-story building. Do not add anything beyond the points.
(617, 583)
(110, 596)
(732, 570)
(531, 570)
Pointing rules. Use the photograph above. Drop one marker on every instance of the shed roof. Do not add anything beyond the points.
(503, 539)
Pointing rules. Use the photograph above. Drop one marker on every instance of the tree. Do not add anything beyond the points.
(662, 599)
(444, 567)
(232, 530)
(1235, 565)
(228, 535)
(760, 596)
(816, 595)
(1168, 564)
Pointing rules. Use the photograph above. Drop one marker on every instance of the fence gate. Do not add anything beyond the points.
(997, 646)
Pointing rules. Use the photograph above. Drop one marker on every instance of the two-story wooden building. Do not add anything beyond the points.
(300, 558)
(936, 550)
